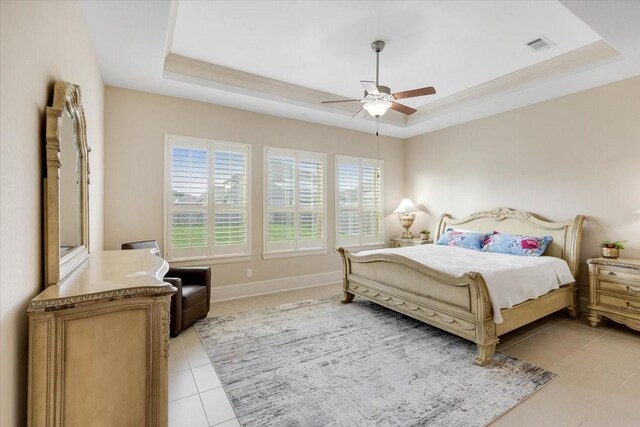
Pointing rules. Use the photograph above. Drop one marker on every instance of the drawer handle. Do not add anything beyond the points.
(611, 273)
(633, 290)
(632, 306)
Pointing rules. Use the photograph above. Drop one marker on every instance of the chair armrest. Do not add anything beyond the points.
(199, 276)
(175, 323)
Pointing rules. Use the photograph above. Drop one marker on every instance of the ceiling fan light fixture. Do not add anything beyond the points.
(377, 108)
(378, 99)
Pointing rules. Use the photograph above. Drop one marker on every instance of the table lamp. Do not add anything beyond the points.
(406, 217)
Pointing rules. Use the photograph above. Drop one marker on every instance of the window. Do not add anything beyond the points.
(359, 213)
(295, 196)
(207, 198)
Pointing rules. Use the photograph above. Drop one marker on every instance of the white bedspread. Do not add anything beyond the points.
(511, 279)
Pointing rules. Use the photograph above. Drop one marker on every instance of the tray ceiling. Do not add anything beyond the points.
(282, 58)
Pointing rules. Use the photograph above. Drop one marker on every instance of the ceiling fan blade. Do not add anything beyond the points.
(370, 87)
(415, 92)
(341, 100)
(358, 114)
(402, 108)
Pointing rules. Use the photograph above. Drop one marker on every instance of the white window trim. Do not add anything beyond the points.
(293, 253)
(207, 144)
(360, 160)
(286, 253)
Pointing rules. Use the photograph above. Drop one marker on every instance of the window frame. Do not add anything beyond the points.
(282, 251)
(211, 145)
(361, 240)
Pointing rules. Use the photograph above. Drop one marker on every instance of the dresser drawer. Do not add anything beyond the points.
(628, 287)
(610, 273)
(617, 302)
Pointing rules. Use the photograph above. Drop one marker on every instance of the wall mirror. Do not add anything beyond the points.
(66, 185)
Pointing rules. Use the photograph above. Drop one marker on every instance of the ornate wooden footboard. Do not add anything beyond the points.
(461, 304)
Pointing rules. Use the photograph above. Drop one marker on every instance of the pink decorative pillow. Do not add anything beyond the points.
(516, 244)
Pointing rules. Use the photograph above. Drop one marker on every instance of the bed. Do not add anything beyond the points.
(461, 303)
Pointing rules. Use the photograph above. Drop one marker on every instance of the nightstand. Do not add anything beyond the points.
(614, 291)
(398, 242)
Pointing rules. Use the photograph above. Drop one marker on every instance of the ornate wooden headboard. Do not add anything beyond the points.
(566, 235)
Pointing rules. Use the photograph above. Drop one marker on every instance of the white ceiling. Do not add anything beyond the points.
(450, 45)
(457, 47)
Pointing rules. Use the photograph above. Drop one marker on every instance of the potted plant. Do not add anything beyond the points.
(424, 234)
(611, 249)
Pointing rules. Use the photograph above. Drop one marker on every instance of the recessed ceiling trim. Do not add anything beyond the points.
(573, 61)
(242, 82)
(194, 71)
(171, 26)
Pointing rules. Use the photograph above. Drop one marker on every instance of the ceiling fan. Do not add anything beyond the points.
(378, 99)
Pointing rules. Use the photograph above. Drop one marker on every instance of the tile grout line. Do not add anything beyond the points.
(221, 385)
(217, 424)
(589, 343)
(184, 370)
(533, 334)
(546, 329)
(610, 394)
(590, 414)
(628, 378)
(194, 381)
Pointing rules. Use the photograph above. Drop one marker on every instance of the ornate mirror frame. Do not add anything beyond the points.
(66, 97)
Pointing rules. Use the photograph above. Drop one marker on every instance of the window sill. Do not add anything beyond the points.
(196, 262)
(294, 253)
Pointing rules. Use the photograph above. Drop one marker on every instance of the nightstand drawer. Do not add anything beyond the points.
(623, 303)
(632, 288)
(617, 273)
(614, 291)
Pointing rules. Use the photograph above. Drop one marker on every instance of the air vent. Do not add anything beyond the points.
(541, 43)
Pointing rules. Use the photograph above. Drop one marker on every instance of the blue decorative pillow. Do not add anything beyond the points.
(463, 239)
(515, 244)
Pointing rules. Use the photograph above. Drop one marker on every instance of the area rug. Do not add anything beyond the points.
(323, 363)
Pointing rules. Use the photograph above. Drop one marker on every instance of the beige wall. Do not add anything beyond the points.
(135, 124)
(41, 42)
(576, 154)
(579, 154)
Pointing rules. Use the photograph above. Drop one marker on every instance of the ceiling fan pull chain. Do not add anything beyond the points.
(378, 146)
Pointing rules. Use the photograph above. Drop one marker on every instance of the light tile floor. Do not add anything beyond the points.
(598, 385)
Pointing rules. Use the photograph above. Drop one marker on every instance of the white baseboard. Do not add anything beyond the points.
(250, 289)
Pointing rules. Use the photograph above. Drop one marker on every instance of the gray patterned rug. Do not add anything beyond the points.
(323, 363)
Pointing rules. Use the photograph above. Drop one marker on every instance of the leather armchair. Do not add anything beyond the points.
(193, 298)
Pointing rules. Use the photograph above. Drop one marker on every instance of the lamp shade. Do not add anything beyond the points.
(638, 211)
(377, 108)
(405, 206)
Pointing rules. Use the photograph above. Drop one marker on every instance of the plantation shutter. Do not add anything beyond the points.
(280, 200)
(230, 198)
(359, 214)
(311, 201)
(207, 207)
(371, 203)
(348, 204)
(188, 201)
(295, 200)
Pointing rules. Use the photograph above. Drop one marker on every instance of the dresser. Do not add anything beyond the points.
(398, 242)
(99, 344)
(614, 291)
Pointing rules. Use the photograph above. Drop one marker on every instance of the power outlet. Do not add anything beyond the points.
(249, 272)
